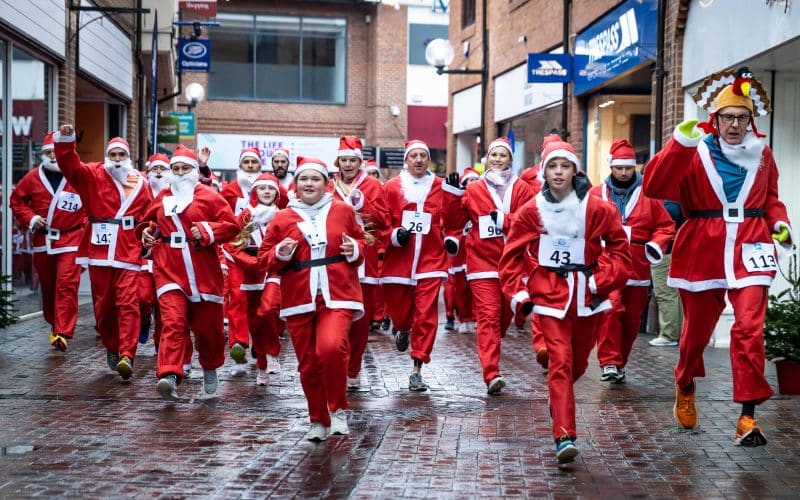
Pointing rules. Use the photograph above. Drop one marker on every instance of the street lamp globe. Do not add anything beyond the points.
(194, 93)
(439, 53)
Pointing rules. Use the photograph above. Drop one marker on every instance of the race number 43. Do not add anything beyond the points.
(759, 257)
(556, 251)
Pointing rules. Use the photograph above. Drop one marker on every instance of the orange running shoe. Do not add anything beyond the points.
(748, 433)
(683, 410)
(542, 357)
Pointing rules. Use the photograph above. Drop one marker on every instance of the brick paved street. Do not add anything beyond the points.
(69, 427)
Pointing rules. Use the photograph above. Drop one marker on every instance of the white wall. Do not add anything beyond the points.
(466, 110)
(41, 20)
(105, 52)
(514, 96)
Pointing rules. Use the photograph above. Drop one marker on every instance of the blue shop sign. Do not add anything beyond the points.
(620, 41)
(194, 55)
(549, 68)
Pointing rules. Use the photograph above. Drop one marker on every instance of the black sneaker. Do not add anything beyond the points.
(450, 324)
(610, 374)
(620, 376)
(386, 324)
(416, 384)
(144, 330)
(401, 341)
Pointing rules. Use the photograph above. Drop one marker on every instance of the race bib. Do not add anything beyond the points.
(103, 233)
(627, 230)
(69, 202)
(759, 257)
(174, 206)
(417, 222)
(556, 251)
(241, 204)
(487, 228)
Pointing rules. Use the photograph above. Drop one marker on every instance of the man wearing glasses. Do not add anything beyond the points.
(727, 185)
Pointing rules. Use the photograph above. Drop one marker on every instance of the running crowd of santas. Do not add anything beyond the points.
(317, 251)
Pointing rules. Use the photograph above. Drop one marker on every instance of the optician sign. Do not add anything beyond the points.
(549, 68)
(618, 42)
(194, 55)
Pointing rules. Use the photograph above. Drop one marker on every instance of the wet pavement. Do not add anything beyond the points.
(69, 427)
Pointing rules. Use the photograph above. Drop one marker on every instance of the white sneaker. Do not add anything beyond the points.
(318, 432)
(463, 328)
(210, 382)
(662, 342)
(273, 364)
(354, 382)
(472, 326)
(339, 422)
(262, 378)
(238, 370)
(609, 374)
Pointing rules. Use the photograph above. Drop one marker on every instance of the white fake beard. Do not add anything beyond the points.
(262, 214)
(158, 184)
(183, 185)
(415, 190)
(246, 179)
(563, 218)
(747, 154)
(119, 170)
(50, 164)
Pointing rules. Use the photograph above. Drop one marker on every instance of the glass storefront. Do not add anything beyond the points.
(528, 132)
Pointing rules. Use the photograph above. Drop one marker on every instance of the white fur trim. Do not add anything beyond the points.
(483, 275)
(356, 206)
(283, 258)
(654, 246)
(416, 145)
(499, 144)
(153, 164)
(355, 255)
(748, 154)
(518, 298)
(263, 182)
(453, 239)
(57, 137)
(120, 145)
(183, 159)
(592, 284)
(395, 243)
(562, 153)
(687, 142)
(33, 221)
(311, 166)
(350, 152)
(452, 190)
(248, 154)
(623, 162)
(210, 232)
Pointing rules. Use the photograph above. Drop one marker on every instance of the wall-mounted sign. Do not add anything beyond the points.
(549, 68)
(194, 55)
(392, 158)
(618, 42)
(168, 130)
(185, 124)
(206, 8)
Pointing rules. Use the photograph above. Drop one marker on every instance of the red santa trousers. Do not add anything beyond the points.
(416, 309)
(236, 307)
(265, 329)
(449, 297)
(537, 335)
(494, 317)
(178, 316)
(321, 345)
(359, 332)
(569, 343)
(620, 326)
(701, 312)
(378, 305)
(148, 305)
(463, 297)
(116, 308)
(59, 277)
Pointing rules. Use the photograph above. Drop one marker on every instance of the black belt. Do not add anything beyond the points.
(639, 242)
(61, 231)
(252, 252)
(305, 264)
(570, 268)
(109, 220)
(708, 214)
(168, 239)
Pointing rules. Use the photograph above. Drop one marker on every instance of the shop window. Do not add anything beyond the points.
(467, 13)
(116, 121)
(278, 58)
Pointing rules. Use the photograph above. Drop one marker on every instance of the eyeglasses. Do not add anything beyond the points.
(728, 119)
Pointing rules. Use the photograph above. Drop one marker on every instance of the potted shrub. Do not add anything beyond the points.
(782, 329)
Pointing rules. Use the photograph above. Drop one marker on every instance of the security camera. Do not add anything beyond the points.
(394, 110)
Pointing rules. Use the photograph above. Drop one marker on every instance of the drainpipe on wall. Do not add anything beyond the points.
(564, 86)
(660, 74)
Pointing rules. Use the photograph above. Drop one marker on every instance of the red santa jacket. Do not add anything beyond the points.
(246, 257)
(62, 211)
(486, 239)
(336, 281)
(558, 231)
(647, 223)
(419, 203)
(109, 239)
(709, 252)
(533, 178)
(178, 262)
(373, 215)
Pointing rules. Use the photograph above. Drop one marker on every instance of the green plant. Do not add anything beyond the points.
(7, 316)
(782, 321)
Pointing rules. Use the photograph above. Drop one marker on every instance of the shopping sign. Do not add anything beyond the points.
(207, 8)
(194, 55)
(168, 130)
(185, 124)
(549, 68)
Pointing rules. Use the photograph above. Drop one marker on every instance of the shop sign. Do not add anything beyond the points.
(207, 8)
(168, 127)
(618, 42)
(225, 148)
(194, 55)
(392, 158)
(185, 124)
(549, 68)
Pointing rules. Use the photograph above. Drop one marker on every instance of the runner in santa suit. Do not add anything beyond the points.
(258, 287)
(115, 197)
(52, 211)
(649, 229)
(415, 263)
(281, 165)
(183, 228)
(316, 245)
(376, 252)
(364, 193)
(490, 204)
(573, 250)
(727, 185)
(237, 194)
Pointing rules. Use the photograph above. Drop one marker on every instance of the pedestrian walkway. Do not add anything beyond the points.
(69, 427)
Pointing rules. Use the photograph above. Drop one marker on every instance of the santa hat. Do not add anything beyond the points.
(350, 145)
(560, 149)
(48, 143)
(265, 179)
(415, 144)
(184, 155)
(550, 138)
(278, 152)
(621, 154)
(316, 164)
(371, 166)
(118, 142)
(158, 159)
(501, 142)
(250, 153)
(468, 173)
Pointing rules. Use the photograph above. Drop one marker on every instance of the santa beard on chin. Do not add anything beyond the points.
(183, 185)
(50, 164)
(246, 179)
(158, 182)
(119, 170)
